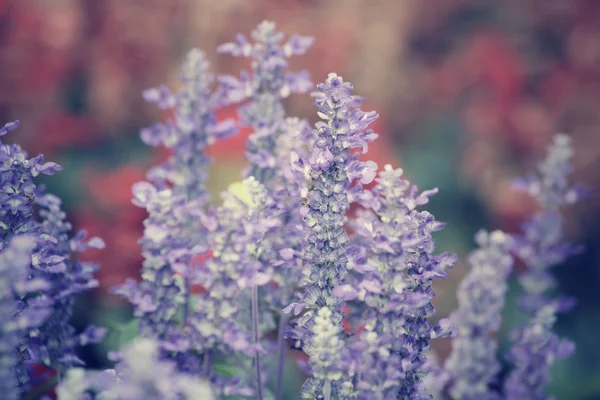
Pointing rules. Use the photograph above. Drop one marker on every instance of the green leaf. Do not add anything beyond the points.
(228, 370)
(127, 332)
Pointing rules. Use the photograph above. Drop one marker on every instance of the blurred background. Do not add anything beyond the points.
(469, 93)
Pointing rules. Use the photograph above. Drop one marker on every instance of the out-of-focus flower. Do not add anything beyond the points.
(53, 274)
(535, 350)
(55, 342)
(178, 185)
(15, 259)
(472, 366)
(541, 247)
(132, 379)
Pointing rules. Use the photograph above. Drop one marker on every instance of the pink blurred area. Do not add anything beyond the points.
(413, 59)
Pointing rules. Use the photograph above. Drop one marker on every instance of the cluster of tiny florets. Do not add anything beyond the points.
(280, 263)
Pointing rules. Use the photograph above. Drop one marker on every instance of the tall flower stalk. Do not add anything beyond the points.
(53, 270)
(16, 319)
(331, 170)
(473, 366)
(541, 247)
(392, 285)
(262, 91)
(238, 230)
(172, 236)
(56, 341)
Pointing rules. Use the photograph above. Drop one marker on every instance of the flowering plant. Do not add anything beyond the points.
(280, 254)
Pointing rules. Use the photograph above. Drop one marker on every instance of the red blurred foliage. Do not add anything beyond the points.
(114, 218)
(198, 261)
(60, 131)
(42, 382)
(235, 146)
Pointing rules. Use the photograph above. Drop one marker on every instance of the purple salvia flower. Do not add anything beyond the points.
(219, 324)
(393, 269)
(53, 262)
(17, 189)
(266, 86)
(140, 374)
(17, 318)
(325, 258)
(193, 128)
(54, 343)
(161, 293)
(541, 247)
(472, 365)
(17, 196)
(172, 235)
(268, 151)
(535, 350)
(421, 268)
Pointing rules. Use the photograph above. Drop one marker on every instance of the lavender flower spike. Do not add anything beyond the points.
(536, 348)
(268, 148)
(393, 289)
(472, 365)
(14, 271)
(54, 343)
(193, 128)
(269, 83)
(172, 237)
(331, 170)
(541, 247)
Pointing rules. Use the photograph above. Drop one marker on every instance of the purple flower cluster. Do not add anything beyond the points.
(176, 188)
(536, 348)
(47, 277)
(54, 343)
(392, 285)
(541, 247)
(472, 365)
(331, 170)
(193, 128)
(269, 83)
(16, 319)
(140, 374)
(273, 138)
(281, 241)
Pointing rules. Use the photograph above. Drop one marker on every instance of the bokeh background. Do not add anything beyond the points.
(469, 93)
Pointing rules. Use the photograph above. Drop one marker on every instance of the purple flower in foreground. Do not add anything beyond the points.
(172, 235)
(472, 365)
(17, 189)
(161, 294)
(55, 342)
(220, 324)
(331, 169)
(267, 150)
(16, 317)
(51, 261)
(140, 374)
